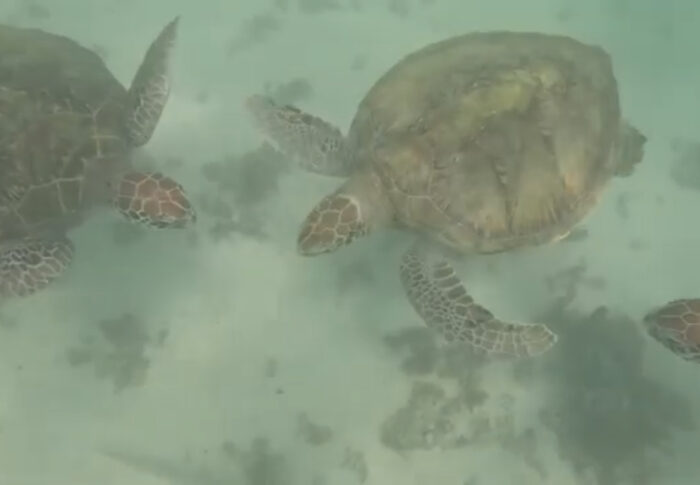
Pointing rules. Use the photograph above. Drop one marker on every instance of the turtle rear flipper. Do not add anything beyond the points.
(150, 87)
(630, 149)
(30, 264)
(439, 297)
(311, 143)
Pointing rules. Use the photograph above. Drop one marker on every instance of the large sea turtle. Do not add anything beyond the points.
(484, 142)
(67, 129)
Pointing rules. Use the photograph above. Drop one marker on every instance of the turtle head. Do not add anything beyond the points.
(334, 222)
(676, 326)
(354, 210)
(154, 200)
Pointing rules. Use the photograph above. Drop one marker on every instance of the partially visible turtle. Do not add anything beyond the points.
(676, 326)
(485, 143)
(67, 129)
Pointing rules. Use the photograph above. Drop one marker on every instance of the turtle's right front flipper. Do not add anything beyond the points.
(311, 143)
(150, 87)
(439, 297)
(30, 264)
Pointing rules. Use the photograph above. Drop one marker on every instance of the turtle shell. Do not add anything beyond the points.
(492, 140)
(61, 129)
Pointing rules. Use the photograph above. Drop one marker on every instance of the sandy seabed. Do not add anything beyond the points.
(218, 356)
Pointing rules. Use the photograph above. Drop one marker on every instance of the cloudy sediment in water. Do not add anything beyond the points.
(216, 354)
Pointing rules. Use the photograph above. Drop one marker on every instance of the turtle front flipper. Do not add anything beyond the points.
(439, 297)
(310, 142)
(28, 265)
(154, 200)
(150, 87)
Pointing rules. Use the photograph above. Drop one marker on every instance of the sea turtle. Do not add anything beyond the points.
(676, 326)
(483, 142)
(67, 129)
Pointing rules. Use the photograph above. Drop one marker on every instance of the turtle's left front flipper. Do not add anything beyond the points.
(439, 297)
(150, 88)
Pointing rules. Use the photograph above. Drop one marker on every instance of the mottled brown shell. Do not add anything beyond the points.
(61, 134)
(492, 140)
